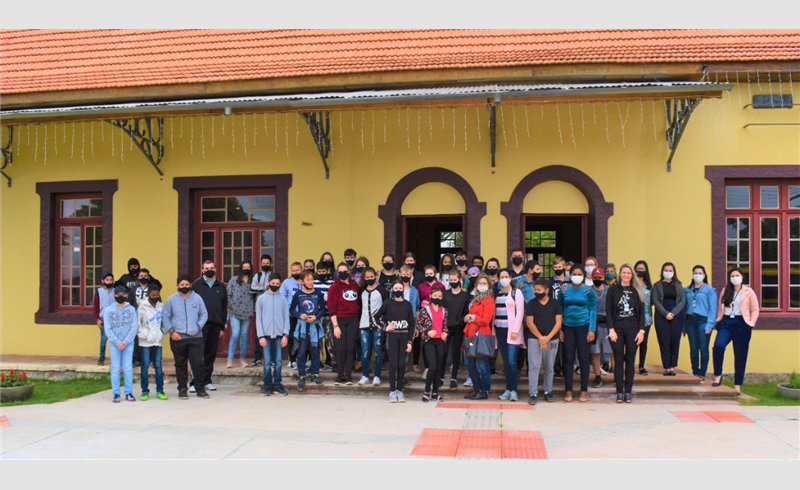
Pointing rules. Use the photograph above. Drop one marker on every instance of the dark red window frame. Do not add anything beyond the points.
(76, 222)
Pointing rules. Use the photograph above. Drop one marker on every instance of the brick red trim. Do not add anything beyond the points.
(47, 274)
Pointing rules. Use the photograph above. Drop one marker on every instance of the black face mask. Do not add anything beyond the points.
(245, 272)
(461, 262)
(350, 263)
(516, 260)
(436, 301)
(447, 267)
(641, 274)
(597, 282)
(454, 285)
(388, 266)
(492, 271)
(154, 301)
(558, 272)
(108, 285)
(344, 275)
(296, 277)
(185, 290)
(134, 272)
(321, 277)
(360, 270)
(412, 265)
(209, 274)
(120, 299)
(536, 275)
(539, 295)
(405, 278)
(143, 280)
(274, 288)
(473, 279)
(397, 294)
(266, 268)
(430, 278)
(329, 263)
(369, 282)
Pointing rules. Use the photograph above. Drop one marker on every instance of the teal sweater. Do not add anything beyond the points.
(580, 307)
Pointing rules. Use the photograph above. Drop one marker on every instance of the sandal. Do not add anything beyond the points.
(242, 362)
(230, 363)
(426, 397)
(568, 396)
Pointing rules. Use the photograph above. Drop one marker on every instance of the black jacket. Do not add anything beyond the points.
(215, 299)
(616, 298)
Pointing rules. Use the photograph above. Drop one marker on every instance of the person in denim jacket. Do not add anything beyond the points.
(701, 311)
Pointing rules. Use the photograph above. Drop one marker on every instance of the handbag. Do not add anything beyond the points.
(480, 346)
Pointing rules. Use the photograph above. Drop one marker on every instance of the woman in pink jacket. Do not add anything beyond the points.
(509, 312)
(736, 317)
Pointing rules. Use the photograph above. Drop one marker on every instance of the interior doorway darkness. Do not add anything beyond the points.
(431, 236)
(547, 236)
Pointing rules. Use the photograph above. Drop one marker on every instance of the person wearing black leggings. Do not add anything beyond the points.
(456, 300)
(432, 328)
(669, 298)
(625, 320)
(643, 274)
(396, 317)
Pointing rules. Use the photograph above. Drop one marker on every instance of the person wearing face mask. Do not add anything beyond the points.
(601, 345)
(432, 328)
(240, 311)
(103, 297)
(701, 312)
(477, 261)
(343, 309)
(151, 335)
(418, 277)
(362, 263)
(515, 267)
(215, 297)
(398, 319)
(456, 300)
(119, 322)
(308, 306)
(580, 323)
(327, 258)
(131, 282)
(643, 273)
(558, 282)
(568, 269)
(611, 274)
(388, 274)
(323, 282)
(350, 260)
(737, 313)
(479, 321)
(424, 298)
(493, 271)
(288, 288)
(447, 265)
(669, 299)
(472, 276)
(259, 283)
(371, 297)
(509, 313)
(543, 316)
(589, 265)
(272, 326)
(462, 265)
(184, 317)
(526, 281)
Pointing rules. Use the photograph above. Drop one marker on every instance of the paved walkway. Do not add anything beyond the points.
(238, 423)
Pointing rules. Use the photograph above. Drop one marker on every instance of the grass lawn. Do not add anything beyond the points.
(766, 394)
(47, 391)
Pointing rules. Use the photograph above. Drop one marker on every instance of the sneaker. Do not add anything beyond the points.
(301, 385)
(192, 389)
(437, 397)
(468, 382)
(606, 367)
(505, 396)
(643, 371)
(494, 372)
(532, 399)
(598, 382)
(406, 383)
(338, 382)
(183, 395)
(115, 399)
(393, 397)
(453, 384)
(426, 397)
(280, 390)
(145, 397)
(348, 382)
(256, 362)
(603, 371)
(400, 397)
(101, 361)
(267, 392)
(316, 380)
(211, 387)
(364, 380)
(548, 397)
(203, 394)
(376, 381)
(129, 397)
(162, 396)
(558, 374)
(514, 396)
(482, 395)
(308, 364)
(425, 373)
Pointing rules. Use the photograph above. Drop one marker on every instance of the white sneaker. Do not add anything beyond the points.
(192, 389)
(364, 380)
(376, 381)
(603, 371)
(393, 397)
(400, 397)
(211, 387)
(468, 382)
(505, 396)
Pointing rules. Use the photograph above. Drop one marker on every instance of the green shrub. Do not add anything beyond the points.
(794, 380)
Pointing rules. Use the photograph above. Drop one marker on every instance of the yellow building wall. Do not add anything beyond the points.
(555, 197)
(433, 198)
(658, 216)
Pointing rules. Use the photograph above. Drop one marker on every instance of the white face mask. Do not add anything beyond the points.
(588, 269)
(736, 280)
(505, 282)
(668, 275)
(698, 278)
(576, 279)
(482, 288)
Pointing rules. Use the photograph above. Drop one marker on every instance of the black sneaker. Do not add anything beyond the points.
(558, 374)
(643, 371)
(257, 362)
(183, 395)
(453, 384)
(202, 393)
(532, 399)
(338, 382)
(406, 383)
(548, 397)
(136, 363)
(482, 395)
(301, 385)
(101, 361)
(267, 392)
(598, 382)
(347, 381)
(280, 390)
(315, 378)
(494, 372)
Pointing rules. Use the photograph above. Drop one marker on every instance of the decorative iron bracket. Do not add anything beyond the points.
(145, 136)
(678, 113)
(8, 155)
(493, 129)
(319, 124)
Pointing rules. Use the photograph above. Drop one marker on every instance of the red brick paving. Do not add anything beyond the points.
(486, 406)
(484, 444)
(4, 421)
(730, 417)
(711, 416)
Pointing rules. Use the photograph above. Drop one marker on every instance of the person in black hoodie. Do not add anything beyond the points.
(215, 297)
(397, 320)
(131, 282)
(625, 321)
(456, 301)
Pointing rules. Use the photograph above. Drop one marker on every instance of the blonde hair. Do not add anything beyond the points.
(635, 282)
(587, 259)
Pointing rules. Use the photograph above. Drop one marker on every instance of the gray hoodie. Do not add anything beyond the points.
(185, 315)
(120, 324)
(272, 315)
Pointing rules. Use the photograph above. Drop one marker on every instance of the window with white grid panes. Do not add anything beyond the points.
(80, 250)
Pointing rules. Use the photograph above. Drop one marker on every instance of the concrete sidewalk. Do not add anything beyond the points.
(238, 423)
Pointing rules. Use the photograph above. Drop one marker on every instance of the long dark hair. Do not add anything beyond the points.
(727, 293)
(674, 272)
(646, 278)
(363, 283)
(452, 263)
(705, 274)
(239, 277)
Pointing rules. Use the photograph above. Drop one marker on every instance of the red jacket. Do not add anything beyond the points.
(343, 299)
(484, 312)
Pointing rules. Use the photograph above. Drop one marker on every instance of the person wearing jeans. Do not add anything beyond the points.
(669, 299)
(701, 311)
(479, 321)
(272, 325)
(543, 317)
(240, 311)
(307, 306)
(119, 322)
(150, 333)
(580, 322)
(508, 316)
(372, 297)
(103, 297)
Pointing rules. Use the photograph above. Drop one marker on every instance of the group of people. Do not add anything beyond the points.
(583, 316)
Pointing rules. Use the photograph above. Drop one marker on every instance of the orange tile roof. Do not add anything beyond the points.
(54, 60)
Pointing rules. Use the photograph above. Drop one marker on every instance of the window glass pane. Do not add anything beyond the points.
(76, 297)
(769, 297)
(238, 209)
(89, 296)
(247, 238)
(237, 238)
(90, 275)
(81, 210)
(262, 215)
(96, 207)
(794, 297)
(67, 208)
(737, 197)
(744, 227)
(65, 276)
(76, 277)
(213, 216)
(213, 203)
(769, 251)
(269, 251)
(227, 238)
(730, 226)
(89, 237)
(769, 274)
(76, 256)
(226, 256)
(794, 250)
(769, 197)
(207, 238)
(794, 227)
(794, 196)
(98, 235)
(208, 254)
(732, 251)
(89, 257)
(65, 296)
(262, 202)
(744, 251)
(267, 240)
(98, 255)
(769, 227)
(66, 236)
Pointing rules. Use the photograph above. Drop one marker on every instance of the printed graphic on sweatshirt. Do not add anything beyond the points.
(399, 325)
(122, 318)
(156, 318)
(350, 295)
(624, 304)
(308, 306)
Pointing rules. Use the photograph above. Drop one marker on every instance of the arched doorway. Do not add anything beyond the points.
(397, 225)
(595, 221)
